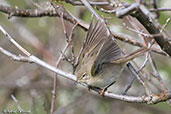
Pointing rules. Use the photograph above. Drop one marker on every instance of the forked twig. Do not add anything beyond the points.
(69, 39)
(152, 99)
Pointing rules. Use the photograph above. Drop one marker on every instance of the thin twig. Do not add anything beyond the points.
(55, 80)
(86, 3)
(153, 2)
(146, 57)
(142, 33)
(35, 4)
(70, 18)
(16, 101)
(166, 23)
(31, 58)
(129, 40)
(157, 75)
(144, 17)
(140, 79)
(160, 9)
(14, 42)
(91, 2)
(58, 63)
(144, 64)
(129, 85)
(36, 13)
(145, 99)
(72, 49)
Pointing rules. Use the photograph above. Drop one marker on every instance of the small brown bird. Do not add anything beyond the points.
(99, 65)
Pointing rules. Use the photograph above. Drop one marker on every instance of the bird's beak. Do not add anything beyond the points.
(77, 81)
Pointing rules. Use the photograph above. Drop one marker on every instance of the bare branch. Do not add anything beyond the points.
(151, 98)
(86, 3)
(128, 39)
(123, 12)
(143, 16)
(46, 11)
(160, 9)
(153, 2)
(129, 85)
(14, 42)
(157, 75)
(164, 26)
(92, 3)
(144, 99)
(16, 101)
(70, 18)
(69, 39)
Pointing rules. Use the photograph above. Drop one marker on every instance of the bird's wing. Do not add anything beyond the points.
(110, 51)
(100, 42)
(95, 37)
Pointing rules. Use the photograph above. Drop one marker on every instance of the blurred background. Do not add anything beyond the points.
(44, 37)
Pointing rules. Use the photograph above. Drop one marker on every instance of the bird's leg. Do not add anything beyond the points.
(105, 89)
(89, 87)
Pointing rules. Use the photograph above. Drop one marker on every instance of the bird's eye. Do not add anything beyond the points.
(84, 75)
